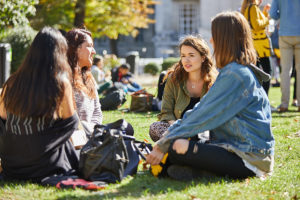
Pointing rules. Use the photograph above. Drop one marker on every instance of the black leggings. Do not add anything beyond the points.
(264, 63)
(211, 158)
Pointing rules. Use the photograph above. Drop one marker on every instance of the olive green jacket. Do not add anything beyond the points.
(175, 99)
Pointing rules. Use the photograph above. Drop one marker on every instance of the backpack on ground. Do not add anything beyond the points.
(113, 99)
(112, 153)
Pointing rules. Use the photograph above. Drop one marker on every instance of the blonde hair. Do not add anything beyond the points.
(232, 38)
(245, 4)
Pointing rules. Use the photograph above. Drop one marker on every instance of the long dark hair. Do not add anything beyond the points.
(208, 71)
(75, 38)
(37, 87)
(232, 38)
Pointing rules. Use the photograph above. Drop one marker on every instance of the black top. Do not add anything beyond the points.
(41, 154)
(161, 85)
(191, 105)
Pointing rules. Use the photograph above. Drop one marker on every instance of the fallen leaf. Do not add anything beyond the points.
(288, 136)
(296, 120)
(194, 197)
(280, 165)
(247, 181)
(273, 192)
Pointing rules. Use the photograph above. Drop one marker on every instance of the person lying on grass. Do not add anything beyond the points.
(235, 110)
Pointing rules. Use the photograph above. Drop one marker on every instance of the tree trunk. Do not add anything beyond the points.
(113, 46)
(79, 13)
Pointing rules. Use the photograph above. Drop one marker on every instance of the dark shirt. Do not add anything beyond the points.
(40, 154)
(191, 105)
(161, 85)
(116, 76)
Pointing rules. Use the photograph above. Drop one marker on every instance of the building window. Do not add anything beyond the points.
(188, 18)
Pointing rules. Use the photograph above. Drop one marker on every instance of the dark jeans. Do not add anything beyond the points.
(264, 64)
(211, 158)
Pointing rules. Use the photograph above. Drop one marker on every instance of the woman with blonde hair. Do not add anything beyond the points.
(258, 21)
(235, 110)
(187, 82)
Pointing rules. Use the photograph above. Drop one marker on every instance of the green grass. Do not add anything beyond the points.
(284, 184)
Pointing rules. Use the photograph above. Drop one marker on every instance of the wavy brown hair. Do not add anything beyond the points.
(232, 39)
(208, 71)
(36, 89)
(75, 38)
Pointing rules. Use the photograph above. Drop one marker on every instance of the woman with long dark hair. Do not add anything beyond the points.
(187, 82)
(37, 112)
(80, 56)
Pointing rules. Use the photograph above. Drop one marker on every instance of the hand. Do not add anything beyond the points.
(171, 122)
(181, 146)
(124, 80)
(267, 7)
(155, 156)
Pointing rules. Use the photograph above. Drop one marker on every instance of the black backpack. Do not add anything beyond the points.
(114, 97)
(112, 153)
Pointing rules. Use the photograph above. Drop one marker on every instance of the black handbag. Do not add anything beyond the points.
(111, 154)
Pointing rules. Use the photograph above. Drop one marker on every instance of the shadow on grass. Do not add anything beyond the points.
(144, 185)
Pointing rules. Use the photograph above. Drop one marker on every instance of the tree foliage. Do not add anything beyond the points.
(15, 12)
(102, 17)
(56, 13)
(114, 17)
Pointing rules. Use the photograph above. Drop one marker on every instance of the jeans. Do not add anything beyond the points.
(132, 87)
(289, 46)
(210, 158)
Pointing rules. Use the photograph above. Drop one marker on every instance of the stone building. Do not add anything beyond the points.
(174, 19)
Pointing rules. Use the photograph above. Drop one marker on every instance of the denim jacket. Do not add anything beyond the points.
(236, 110)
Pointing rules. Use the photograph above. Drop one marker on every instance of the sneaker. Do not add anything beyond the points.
(185, 173)
(282, 109)
(273, 109)
(295, 103)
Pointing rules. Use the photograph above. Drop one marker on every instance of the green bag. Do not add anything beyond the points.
(141, 101)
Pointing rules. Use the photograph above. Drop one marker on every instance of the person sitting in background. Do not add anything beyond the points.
(156, 105)
(99, 75)
(188, 81)
(122, 75)
(37, 113)
(80, 56)
(97, 70)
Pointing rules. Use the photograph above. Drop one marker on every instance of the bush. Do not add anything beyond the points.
(20, 39)
(152, 68)
(168, 62)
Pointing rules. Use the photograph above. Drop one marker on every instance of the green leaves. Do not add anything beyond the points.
(15, 12)
(102, 17)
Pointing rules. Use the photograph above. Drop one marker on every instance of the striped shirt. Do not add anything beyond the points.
(28, 125)
(89, 110)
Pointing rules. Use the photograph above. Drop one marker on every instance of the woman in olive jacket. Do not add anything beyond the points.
(187, 82)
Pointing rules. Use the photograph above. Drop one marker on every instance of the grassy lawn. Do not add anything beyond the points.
(284, 184)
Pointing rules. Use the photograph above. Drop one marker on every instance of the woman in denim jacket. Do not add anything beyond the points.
(236, 110)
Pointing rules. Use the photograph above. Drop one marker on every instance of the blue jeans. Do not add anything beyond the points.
(132, 87)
